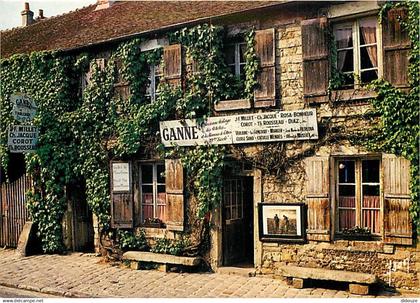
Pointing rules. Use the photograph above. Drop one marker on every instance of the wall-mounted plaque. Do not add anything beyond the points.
(22, 138)
(24, 107)
(121, 177)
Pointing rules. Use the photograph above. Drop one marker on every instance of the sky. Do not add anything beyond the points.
(10, 9)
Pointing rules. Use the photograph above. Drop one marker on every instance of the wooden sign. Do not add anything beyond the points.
(22, 138)
(121, 177)
(237, 129)
(24, 108)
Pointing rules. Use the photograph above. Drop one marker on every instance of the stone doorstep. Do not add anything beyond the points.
(328, 274)
(144, 256)
(245, 272)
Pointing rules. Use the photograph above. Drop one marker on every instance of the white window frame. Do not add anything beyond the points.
(237, 64)
(153, 86)
(154, 185)
(357, 69)
(358, 192)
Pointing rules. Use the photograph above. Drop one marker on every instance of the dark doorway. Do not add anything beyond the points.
(83, 234)
(237, 216)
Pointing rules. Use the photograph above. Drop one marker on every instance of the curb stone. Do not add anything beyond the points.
(47, 290)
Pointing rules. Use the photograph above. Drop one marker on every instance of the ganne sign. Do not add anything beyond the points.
(248, 128)
(24, 108)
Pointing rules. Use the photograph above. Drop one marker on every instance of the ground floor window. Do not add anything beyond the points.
(153, 192)
(358, 191)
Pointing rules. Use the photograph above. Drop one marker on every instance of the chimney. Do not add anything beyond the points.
(40, 14)
(27, 15)
(102, 4)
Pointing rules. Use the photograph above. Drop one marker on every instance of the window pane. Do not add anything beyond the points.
(370, 171)
(347, 218)
(147, 194)
(346, 171)
(242, 71)
(368, 76)
(160, 173)
(371, 196)
(343, 37)
(370, 219)
(367, 30)
(347, 196)
(147, 202)
(242, 50)
(230, 54)
(147, 173)
(368, 57)
(345, 61)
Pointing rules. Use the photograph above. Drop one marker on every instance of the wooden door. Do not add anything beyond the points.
(13, 212)
(237, 221)
(83, 234)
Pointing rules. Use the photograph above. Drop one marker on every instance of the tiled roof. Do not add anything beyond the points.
(87, 26)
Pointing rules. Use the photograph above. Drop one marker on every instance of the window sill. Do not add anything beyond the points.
(226, 105)
(352, 95)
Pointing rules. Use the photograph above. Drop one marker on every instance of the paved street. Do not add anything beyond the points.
(81, 275)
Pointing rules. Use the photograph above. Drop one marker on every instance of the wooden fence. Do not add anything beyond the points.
(13, 210)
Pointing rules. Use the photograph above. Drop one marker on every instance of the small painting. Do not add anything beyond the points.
(282, 222)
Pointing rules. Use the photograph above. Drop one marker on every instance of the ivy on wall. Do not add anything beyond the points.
(81, 131)
(399, 128)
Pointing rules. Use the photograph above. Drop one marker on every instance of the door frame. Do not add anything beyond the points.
(216, 232)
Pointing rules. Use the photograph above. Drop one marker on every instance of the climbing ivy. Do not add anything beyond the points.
(80, 132)
(399, 128)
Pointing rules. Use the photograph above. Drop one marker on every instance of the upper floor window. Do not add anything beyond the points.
(235, 58)
(155, 75)
(357, 46)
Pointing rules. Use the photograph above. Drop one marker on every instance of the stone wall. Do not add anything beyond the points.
(394, 266)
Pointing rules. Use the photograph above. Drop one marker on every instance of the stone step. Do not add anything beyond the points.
(241, 271)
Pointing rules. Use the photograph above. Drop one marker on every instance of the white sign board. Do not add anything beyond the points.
(24, 108)
(22, 138)
(121, 176)
(247, 128)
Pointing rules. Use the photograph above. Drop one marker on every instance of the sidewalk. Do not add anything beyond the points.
(83, 275)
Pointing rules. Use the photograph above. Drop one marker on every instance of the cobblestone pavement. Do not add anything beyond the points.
(82, 275)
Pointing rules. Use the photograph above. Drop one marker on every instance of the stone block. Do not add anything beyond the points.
(359, 289)
(134, 265)
(298, 283)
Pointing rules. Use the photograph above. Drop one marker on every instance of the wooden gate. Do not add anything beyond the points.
(13, 210)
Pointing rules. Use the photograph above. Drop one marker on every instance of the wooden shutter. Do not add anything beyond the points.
(318, 198)
(174, 194)
(265, 47)
(121, 202)
(396, 44)
(172, 56)
(397, 220)
(315, 59)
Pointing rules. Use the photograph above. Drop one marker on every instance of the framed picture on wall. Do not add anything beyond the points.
(282, 222)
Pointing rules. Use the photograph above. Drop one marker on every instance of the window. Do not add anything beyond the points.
(154, 79)
(358, 58)
(358, 192)
(235, 58)
(233, 199)
(153, 191)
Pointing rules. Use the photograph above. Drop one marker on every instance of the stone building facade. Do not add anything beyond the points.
(337, 186)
